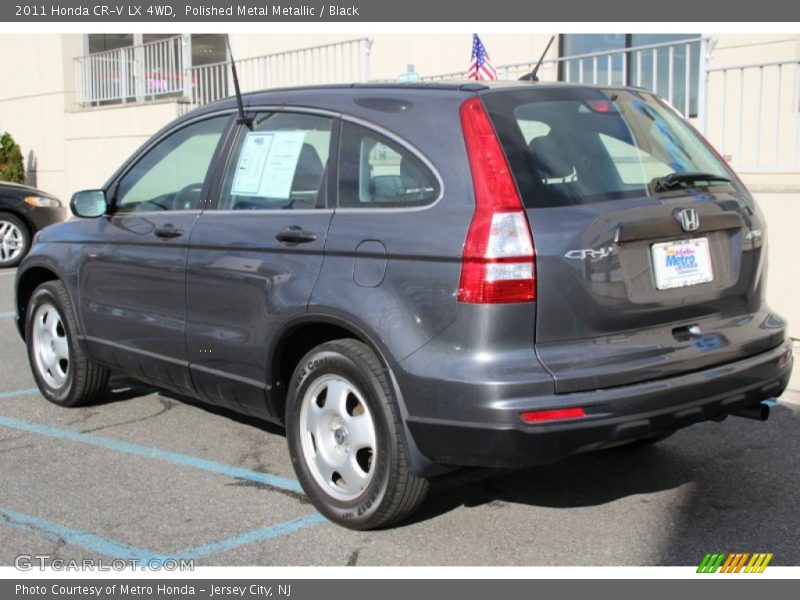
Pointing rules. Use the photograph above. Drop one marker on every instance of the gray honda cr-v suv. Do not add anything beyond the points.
(415, 277)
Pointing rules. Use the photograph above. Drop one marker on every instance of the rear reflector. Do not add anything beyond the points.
(498, 258)
(555, 414)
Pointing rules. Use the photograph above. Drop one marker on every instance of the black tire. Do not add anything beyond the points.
(392, 492)
(83, 380)
(24, 234)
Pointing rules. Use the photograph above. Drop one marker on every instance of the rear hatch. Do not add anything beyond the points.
(650, 253)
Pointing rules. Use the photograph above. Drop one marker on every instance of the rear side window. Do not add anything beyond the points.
(279, 163)
(571, 146)
(376, 172)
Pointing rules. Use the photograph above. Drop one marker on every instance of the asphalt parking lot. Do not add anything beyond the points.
(146, 475)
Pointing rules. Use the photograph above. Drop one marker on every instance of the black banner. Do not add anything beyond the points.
(341, 589)
(395, 11)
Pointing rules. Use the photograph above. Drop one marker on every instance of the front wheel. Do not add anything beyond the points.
(65, 373)
(345, 438)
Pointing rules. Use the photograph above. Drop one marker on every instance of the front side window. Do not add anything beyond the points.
(170, 175)
(278, 163)
(376, 172)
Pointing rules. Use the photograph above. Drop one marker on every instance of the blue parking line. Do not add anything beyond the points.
(7, 315)
(75, 537)
(256, 535)
(15, 393)
(182, 459)
(108, 547)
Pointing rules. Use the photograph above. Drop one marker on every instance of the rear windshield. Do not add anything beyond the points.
(577, 145)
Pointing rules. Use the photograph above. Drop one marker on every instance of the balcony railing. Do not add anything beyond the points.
(163, 69)
(339, 62)
(679, 63)
(131, 74)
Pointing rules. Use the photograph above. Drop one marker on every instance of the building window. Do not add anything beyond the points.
(208, 49)
(102, 42)
(631, 59)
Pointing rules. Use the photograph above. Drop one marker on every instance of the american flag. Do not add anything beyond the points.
(481, 66)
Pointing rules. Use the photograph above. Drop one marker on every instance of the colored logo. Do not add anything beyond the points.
(737, 562)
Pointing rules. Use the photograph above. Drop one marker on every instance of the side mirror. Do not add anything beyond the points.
(89, 204)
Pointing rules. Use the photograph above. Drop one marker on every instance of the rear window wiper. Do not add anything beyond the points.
(668, 182)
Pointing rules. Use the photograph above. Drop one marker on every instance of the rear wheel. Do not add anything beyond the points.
(15, 240)
(64, 372)
(345, 438)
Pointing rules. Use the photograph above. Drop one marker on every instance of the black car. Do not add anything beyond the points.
(24, 211)
(412, 278)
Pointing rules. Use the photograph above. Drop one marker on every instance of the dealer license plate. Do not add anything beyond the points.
(682, 263)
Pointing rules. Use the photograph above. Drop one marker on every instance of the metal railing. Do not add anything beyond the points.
(755, 121)
(338, 62)
(164, 69)
(131, 74)
(671, 69)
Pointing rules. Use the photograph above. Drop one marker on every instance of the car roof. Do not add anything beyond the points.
(316, 94)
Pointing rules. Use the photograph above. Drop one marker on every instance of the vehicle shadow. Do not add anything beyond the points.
(121, 388)
(586, 480)
(228, 413)
(742, 492)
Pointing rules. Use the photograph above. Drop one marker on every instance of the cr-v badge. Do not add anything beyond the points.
(590, 253)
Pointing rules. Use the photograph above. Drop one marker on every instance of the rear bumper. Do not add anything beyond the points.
(613, 415)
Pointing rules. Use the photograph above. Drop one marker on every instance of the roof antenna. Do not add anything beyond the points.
(532, 75)
(242, 119)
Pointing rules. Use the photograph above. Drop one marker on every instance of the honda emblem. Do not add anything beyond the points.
(689, 218)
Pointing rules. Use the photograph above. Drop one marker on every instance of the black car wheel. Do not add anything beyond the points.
(15, 240)
(345, 438)
(64, 372)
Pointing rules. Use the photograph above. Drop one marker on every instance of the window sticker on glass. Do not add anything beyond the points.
(252, 159)
(267, 164)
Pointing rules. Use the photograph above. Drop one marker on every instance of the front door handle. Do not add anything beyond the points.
(168, 231)
(295, 235)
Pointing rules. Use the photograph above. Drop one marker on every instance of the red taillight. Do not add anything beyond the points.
(555, 414)
(498, 264)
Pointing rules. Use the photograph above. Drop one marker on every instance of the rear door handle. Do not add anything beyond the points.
(295, 235)
(168, 232)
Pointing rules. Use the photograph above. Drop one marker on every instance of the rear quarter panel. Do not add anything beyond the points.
(418, 249)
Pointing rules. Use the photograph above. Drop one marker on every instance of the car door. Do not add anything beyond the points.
(133, 282)
(254, 259)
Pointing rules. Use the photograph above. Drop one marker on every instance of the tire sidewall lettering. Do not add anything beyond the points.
(315, 366)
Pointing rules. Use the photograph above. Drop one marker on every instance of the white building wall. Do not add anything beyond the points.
(34, 98)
